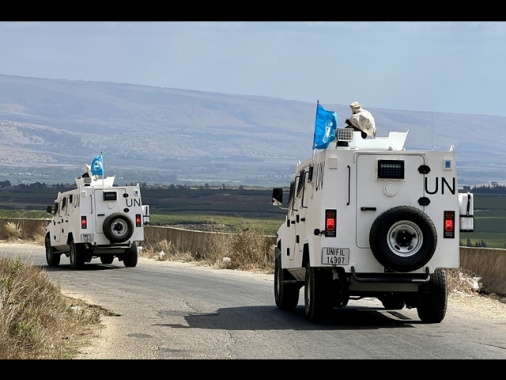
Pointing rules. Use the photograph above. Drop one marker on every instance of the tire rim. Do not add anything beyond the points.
(405, 238)
(119, 228)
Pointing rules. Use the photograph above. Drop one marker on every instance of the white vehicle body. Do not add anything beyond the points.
(96, 220)
(371, 219)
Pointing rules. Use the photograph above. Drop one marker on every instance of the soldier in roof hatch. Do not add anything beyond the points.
(361, 120)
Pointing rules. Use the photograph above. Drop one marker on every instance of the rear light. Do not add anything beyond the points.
(84, 223)
(330, 223)
(138, 220)
(449, 224)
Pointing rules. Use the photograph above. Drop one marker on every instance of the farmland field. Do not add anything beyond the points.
(489, 222)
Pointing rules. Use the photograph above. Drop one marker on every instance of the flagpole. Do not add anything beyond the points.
(103, 169)
(315, 116)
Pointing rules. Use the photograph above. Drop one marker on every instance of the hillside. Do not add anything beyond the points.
(50, 128)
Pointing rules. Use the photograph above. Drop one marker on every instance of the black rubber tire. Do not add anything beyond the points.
(76, 256)
(317, 291)
(118, 227)
(52, 258)
(286, 295)
(432, 306)
(106, 259)
(403, 239)
(131, 256)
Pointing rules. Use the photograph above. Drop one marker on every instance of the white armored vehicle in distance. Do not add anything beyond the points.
(96, 220)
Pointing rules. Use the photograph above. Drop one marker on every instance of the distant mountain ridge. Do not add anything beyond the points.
(49, 128)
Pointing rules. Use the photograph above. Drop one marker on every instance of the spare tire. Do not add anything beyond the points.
(118, 227)
(403, 239)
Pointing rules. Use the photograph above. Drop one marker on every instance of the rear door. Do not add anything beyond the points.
(385, 181)
(106, 202)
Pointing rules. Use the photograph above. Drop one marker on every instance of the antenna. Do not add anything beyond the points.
(432, 132)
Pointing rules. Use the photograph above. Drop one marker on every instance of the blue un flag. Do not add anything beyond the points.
(325, 127)
(97, 166)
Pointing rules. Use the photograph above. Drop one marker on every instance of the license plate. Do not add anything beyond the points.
(87, 238)
(335, 256)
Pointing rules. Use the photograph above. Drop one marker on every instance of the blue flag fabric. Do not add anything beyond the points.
(325, 127)
(97, 166)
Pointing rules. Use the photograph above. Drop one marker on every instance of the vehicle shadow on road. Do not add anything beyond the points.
(87, 267)
(273, 318)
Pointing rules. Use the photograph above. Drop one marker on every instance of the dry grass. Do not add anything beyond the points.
(248, 251)
(13, 230)
(164, 251)
(36, 320)
(461, 280)
(37, 237)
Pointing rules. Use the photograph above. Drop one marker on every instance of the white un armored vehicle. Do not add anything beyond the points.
(96, 220)
(371, 219)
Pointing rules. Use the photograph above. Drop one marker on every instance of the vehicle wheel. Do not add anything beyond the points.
(431, 306)
(285, 294)
(106, 259)
(52, 258)
(118, 227)
(131, 256)
(76, 256)
(403, 239)
(317, 300)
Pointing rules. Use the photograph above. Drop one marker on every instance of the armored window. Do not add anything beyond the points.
(110, 196)
(391, 169)
(300, 184)
(292, 191)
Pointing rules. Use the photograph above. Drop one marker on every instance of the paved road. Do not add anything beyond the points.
(167, 310)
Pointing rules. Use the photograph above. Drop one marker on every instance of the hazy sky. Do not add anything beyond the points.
(457, 67)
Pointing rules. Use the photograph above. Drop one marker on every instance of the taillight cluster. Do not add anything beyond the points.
(138, 220)
(84, 222)
(330, 223)
(449, 224)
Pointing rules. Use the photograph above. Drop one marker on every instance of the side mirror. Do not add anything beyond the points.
(277, 196)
